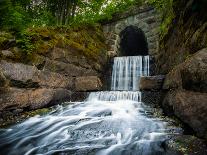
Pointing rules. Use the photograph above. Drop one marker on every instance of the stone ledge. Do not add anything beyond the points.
(151, 83)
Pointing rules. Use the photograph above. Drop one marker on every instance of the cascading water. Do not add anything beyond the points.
(107, 123)
(115, 96)
(127, 72)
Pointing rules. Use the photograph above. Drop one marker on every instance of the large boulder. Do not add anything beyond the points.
(187, 92)
(88, 83)
(152, 83)
(190, 75)
(67, 56)
(26, 76)
(31, 99)
(54, 80)
(190, 107)
(68, 69)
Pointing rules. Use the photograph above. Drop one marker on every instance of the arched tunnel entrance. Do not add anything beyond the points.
(133, 42)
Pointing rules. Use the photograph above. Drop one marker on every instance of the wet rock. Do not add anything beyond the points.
(190, 75)
(78, 96)
(152, 83)
(88, 83)
(152, 97)
(185, 144)
(31, 99)
(190, 107)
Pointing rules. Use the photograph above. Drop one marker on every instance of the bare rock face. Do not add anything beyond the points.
(183, 40)
(88, 83)
(62, 55)
(30, 88)
(187, 92)
(190, 75)
(54, 80)
(68, 69)
(152, 83)
(190, 107)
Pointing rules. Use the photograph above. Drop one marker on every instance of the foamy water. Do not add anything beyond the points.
(92, 127)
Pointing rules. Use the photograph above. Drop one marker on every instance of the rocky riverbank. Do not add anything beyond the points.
(57, 74)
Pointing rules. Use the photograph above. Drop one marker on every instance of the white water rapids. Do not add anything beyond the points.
(107, 123)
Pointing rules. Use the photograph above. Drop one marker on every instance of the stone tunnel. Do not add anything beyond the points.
(132, 33)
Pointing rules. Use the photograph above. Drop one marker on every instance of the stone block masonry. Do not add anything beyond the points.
(145, 17)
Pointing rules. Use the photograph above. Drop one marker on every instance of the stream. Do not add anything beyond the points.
(113, 122)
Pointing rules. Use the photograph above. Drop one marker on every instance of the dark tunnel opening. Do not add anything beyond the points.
(133, 42)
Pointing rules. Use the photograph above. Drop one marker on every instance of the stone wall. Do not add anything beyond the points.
(26, 87)
(42, 79)
(146, 18)
(187, 34)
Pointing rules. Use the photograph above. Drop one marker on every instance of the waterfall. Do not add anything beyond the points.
(114, 96)
(125, 79)
(127, 72)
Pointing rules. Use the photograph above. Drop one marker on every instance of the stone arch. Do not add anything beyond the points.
(120, 26)
(148, 20)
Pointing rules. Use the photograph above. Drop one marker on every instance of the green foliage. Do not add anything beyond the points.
(14, 17)
(85, 40)
(4, 37)
(25, 43)
(17, 15)
(37, 25)
(103, 9)
(165, 7)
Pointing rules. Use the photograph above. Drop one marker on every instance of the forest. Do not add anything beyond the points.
(20, 14)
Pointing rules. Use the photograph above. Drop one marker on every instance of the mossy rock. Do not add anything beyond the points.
(5, 37)
(13, 119)
(88, 41)
(186, 144)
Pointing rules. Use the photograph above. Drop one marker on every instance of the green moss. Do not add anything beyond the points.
(21, 117)
(4, 36)
(165, 8)
(86, 41)
(79, 41)
(165, 25)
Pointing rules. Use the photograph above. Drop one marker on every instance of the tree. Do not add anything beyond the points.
(18, 14)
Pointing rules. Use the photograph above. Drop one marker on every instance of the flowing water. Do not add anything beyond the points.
(127, 72)
(107, 123)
